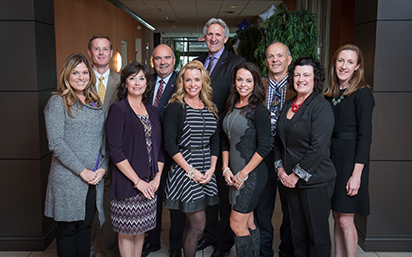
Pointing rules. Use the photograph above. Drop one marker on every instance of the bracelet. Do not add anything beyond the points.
(135, 185)
(191, 172)
(223, 173)
(241, 180)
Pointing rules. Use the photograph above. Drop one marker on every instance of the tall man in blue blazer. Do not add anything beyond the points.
(220, 63)
(100, 50)
(165, 86)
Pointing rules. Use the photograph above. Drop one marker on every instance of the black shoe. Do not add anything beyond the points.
(219, 253)
(202, 244)
(148, 248)
(175, 253)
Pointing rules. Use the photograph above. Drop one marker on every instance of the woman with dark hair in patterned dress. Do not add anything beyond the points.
(134, 137)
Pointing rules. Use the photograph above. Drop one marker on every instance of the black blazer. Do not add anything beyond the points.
(167, 93)
(302, 143)
(221, 77)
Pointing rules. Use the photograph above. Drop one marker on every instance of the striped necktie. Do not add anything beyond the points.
(159, 93)
(209, 67)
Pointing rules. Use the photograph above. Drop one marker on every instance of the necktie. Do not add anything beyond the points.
(159, 94)
(275, 108)
(209, 67)
(102, 89)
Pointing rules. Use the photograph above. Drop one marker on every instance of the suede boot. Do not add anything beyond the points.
(244, 246)
(256, 241)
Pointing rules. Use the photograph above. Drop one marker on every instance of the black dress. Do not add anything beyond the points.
(351, 141)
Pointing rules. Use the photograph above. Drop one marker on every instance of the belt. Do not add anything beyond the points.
(345, 135)
(193, 148)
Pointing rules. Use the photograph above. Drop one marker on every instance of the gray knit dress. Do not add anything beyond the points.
(75, 143)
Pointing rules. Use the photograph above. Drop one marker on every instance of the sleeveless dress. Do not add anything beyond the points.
(181, 192)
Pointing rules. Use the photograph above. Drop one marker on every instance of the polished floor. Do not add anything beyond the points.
(163, 252)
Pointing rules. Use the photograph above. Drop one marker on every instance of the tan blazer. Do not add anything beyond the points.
(289, 93)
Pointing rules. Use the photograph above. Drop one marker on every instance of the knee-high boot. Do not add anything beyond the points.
(244, 246)
(256, 241)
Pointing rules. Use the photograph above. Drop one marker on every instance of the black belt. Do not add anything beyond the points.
(345, 135)
(193, 148)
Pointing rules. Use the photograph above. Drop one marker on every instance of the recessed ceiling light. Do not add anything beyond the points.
(233, 6)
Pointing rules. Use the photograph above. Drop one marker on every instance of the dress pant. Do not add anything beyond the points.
(73, 238)
(264, 211)
(309, 210)
(217, 216)
(109, 237)
(177, 218)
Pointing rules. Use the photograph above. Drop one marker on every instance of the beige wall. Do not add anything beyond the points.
(95, 16)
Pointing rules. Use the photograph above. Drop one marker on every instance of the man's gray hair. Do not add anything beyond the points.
(216, 21)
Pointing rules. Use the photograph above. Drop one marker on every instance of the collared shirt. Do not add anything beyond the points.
(105, 78)
(157, 85)
(215, 60)
(271, 89)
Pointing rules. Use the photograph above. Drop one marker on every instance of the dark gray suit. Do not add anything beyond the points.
(218, 230)
(177, 218)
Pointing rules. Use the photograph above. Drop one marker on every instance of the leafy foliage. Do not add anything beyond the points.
(296, 29)
(250, 38)
(230, 42)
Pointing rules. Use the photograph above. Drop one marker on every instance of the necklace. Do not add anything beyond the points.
(231, 124)
(295, 107)
(194, 105)
(149, 131)
(338, 100)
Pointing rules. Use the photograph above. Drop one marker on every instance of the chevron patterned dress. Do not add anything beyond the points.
(136, 215)
(181, 192)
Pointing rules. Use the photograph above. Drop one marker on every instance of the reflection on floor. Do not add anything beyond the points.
(163, 252)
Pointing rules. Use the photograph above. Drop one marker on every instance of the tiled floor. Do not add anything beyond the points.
(277, 217)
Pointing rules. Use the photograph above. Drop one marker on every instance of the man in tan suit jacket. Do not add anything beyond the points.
(278, 58)
(100, 50)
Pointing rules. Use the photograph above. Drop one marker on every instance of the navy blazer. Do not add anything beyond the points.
(126, 140)
(302, 144)
(221, 75)
(167, 93)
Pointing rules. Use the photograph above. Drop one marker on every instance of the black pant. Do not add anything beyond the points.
(309, 211)
(177, 218)
(218, 230)
(73, 238)
(264, 211)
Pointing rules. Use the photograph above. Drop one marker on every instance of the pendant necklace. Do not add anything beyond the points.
(231, 124)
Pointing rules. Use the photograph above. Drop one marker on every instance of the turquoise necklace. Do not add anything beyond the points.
(337, 101)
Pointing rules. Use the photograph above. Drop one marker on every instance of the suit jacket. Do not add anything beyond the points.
(289, 93)
(111, 91)
(221, 75)
(302, 144)
(167, 93)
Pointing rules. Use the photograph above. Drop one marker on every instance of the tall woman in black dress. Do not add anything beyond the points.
(192, 139)
(302, 150)
(245, 143)
(352, 103)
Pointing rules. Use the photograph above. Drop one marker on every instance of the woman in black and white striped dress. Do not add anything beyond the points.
(192, 139)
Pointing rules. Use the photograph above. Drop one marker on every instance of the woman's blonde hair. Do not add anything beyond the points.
(205, 93)
(70, 99)
(355, 82)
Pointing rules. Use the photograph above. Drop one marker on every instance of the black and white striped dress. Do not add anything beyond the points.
(181, 192)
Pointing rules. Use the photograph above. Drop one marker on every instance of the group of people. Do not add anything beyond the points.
(214, 143)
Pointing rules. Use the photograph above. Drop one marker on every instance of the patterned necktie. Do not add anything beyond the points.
(159, 93)
(102, 89)
(209, 67)
(275, 108)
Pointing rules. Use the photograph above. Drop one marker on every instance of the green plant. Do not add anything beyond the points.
(296, 29)
(250, 38)
(177, 58)
(230, 42)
